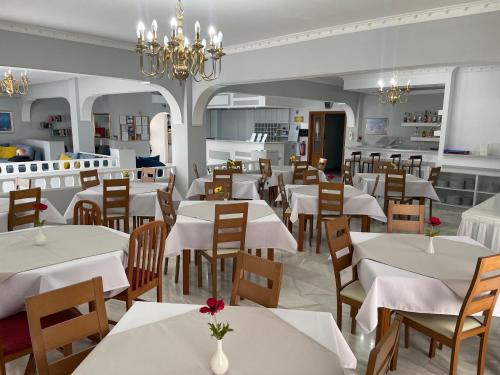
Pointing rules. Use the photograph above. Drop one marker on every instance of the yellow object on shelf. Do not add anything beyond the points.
(7, 152)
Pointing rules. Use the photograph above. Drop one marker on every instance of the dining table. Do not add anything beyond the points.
(167, 338)
(51, 215)
(482, 223)
(245, 186)
(397, 273)
(304, 201)
(194, 227)
(287, 172)
(71, 254)
(414, 186)
(142, 199)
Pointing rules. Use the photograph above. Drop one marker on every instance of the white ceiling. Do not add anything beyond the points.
(40, 76)
(241, 20)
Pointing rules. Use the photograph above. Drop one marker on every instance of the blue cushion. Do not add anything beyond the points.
(152, 161)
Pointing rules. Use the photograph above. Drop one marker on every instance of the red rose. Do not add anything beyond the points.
(434, 221)
(213, 306)
(40, 206)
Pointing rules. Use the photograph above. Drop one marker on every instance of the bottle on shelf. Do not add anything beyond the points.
(405, 118)
(425, 117)
(414, 118)
(419, 118)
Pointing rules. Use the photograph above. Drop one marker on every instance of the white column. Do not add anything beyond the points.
(83, 133)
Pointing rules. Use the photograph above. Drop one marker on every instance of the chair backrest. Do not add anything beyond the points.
(22, 183)
(282, 191)
(383, 166)
(145, 255)
(347, 173)
(148, 174)
(115, 197)
(483, 293)
(416, 160)
(395, 183)
(167, 208)
(94, 323)
(218, 190)
(171, 182)
(263, 164)
(409, 225)
(375, 186)
(230, 225)
(21, 207)
(298, 170)
(86, 213)
(89, 179)
(341, 249)
(330, 199)
(434, 175)
(382, 354)
(375, 155)
(243, 288)
(396, 159)
(322, 164)
(310, 177)
(356, 156)
(262, 183)
(236, 166)
(195, 170)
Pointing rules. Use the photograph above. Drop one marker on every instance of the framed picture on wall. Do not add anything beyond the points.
(376, 126)
(6, 123)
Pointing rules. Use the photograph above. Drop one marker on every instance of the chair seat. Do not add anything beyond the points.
(354, 291)
(441, 324)
(15, 333)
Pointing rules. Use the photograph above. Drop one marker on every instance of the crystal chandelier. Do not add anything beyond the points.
(11, 86)
(176, 57)
(394, 93)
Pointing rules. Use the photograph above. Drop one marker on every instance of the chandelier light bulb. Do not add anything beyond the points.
(215, 40)
(154, 26)
(186, 42)
(197, 27)
(173, 26)
(219, 37)
(140, 30)
(381, 84)
(165, 40)
(179, 31)
(150, 36)
(393, 81)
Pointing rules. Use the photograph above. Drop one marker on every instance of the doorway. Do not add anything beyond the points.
(327, 139)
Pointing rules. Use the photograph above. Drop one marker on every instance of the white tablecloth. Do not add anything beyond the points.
(415, 187)
(320, 326)
(245, 186)
(397, 289)
(307, 203)
(287, 172)
(110, 266)
(192, 233)
(51, 215)
(482, 223)
(142, 198)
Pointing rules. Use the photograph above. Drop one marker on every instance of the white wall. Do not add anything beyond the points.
(370, 106)
(40, 110)
(475, 116)
(127, 104)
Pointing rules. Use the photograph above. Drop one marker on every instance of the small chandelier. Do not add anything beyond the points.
(11, 86)
(176, 57)
(394, 93)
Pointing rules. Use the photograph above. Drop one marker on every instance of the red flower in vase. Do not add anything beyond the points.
(40, 206)
(434, 221)
(213, 306)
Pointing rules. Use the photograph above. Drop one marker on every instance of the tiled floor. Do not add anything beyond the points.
(309, 284)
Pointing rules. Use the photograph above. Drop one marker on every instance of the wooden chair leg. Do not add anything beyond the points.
(354, 312)
(339, 314)
(407, 336)
(311, 228)
(128, 304)
(165, 267)
(430, 207)
(454, 359)
(318, 234)
(394, 361)
(177, 268)
(234, 269)
(432, 348)
(222, 265)
(159, 291)
(213, 265)
(481, 362)
(200, 268)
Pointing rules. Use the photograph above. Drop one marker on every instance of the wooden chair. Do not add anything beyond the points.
(384, 355)
(223, 175)
(21, 210)
(47, 338)
(396, 160)
(145, 262)
(211, 195)
(330, 204)
(22, 183)
(347, 173)
(394, 190)
(433, 177)
(242, 288)
(262, 183)
(148, 174)
(405, 226)
(229, 227)
(452, 330)
(115, 203)
(89, 179)
(169, 217)
(355, 159)
(375, 186)
(370, 162)
(322, 164)
(310, 177)
(195, 170)
(413, 163)
(384, 166)
(86, 213)
(298, 171)
(171, 183)
(236, 166)
(341, 250)
(284, 203)
(265, 164)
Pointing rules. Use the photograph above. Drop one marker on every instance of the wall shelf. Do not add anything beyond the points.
(425, 139)
(421, 124)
